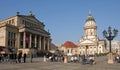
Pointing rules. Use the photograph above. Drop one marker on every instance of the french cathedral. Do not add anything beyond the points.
(90, 43)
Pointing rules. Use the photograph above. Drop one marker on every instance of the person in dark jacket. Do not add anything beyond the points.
(19, 57)
(24, 57)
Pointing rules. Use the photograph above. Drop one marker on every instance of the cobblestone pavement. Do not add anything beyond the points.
(38, 64)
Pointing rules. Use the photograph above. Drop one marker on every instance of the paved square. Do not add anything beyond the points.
(38, 64)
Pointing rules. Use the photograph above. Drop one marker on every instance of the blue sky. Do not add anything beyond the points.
(65, 19)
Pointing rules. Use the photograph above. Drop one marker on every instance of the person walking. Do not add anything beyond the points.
(19, 57)
(84, 60)
(24, 57)
(31, 57)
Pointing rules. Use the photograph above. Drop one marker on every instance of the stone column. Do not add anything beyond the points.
(24, 40)
(44, 42)
(35, 41)
(18, 46)
(30, 40)
(48, 44)
(40, 42)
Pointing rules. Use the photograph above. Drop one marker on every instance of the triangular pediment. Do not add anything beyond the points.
(33, 19)
(87, 42)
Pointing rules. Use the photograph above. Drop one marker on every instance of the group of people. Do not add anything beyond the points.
(54, 58)
(3, 57)
(89, 60)
(74, 59)
(14, 58)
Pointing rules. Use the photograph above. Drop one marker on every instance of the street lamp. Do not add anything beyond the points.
(110, 36)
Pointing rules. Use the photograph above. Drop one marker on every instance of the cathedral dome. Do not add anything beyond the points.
(90, 21)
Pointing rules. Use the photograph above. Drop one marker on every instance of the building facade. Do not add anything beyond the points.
(23, 33)
(115, 45)
(90, 43)
(69, 48)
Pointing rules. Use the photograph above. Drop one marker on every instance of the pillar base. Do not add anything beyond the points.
(65, 59)
(44, 59)
(110, 58)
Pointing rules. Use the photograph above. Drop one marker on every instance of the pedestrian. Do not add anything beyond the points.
(72, 59)
(31, 57)
(11, 58)
(90, 60)
(15, 57)
(24, 57)
(0, 57)
(75, 59)
(84, 60)
(19, 57)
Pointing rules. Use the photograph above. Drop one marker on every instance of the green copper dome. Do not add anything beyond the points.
(90, 18)
(90, 22)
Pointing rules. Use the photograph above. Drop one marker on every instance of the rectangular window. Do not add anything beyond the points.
(21, 44)
(9, 21)
(8, 34)
(14, 35)
(8, 42)
(13, 21)
(27, 45)
(68, 51)
(14, 43)
(11, 35)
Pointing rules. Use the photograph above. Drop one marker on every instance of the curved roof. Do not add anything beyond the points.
(90, 21)
(90, 18)
(69, 44)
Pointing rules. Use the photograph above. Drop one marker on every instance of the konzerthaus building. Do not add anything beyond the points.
(23, 32)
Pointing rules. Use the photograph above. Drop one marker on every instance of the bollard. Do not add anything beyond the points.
(44, 59)
(110, 58)
(65, 59)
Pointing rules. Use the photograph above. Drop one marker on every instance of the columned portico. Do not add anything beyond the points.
(33, 41)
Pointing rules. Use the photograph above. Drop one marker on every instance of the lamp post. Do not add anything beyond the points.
(109, 35)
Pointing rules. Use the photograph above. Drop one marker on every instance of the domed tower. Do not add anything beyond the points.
(90, 43)
(90, 28)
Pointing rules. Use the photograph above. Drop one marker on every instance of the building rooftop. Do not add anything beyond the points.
(69, 44)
